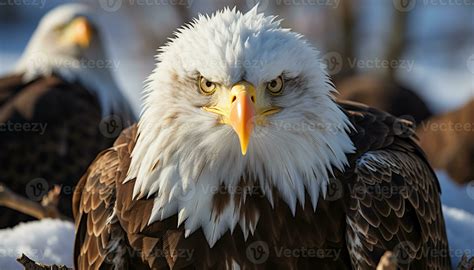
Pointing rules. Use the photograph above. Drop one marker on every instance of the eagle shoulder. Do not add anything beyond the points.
(393, 195)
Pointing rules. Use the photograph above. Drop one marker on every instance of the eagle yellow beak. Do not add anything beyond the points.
(242, 112)
(79, 32)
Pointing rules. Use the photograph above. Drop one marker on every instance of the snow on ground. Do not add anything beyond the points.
(459, 224)
(46, 241)
(456, 196)
(458, 210)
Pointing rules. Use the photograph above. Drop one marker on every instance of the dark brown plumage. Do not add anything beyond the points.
(384, 95)
(49, 135)
(448, 141)
(386, 199)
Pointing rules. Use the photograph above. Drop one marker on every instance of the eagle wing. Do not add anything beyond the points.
(110, 224)
(394, 196)
(112, 228)
(98, 231)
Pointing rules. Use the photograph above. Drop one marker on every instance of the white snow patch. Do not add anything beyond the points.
(456, 196)
(47, 241)
(459, 224)
(458, 210)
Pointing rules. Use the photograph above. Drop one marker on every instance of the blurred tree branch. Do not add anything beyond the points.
(466, 263)
(29, 264)
(48, 208)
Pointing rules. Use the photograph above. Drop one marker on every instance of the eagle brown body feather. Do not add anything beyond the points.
(351, 228)
(61, 152)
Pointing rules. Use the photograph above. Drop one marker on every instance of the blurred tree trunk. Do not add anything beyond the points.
(343, 42)
(398, 39)
(348, 20)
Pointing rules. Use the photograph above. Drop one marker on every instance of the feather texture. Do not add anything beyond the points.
(350, 229)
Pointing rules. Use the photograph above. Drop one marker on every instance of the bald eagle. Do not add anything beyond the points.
(57, 109)
(242, 159)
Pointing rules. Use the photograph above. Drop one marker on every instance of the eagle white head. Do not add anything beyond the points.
(67, 43)
(234, 98)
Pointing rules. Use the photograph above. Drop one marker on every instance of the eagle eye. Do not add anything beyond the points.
(207, 87)
(275, 87)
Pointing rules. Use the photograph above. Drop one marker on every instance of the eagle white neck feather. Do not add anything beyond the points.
(183, 155)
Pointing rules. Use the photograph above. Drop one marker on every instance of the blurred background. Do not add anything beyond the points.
(425, 45)
(413, 58)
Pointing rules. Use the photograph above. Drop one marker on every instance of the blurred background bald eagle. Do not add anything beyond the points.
(59, 107)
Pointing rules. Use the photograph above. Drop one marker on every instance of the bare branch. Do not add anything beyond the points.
(466, 263)
(46, 209)
(29, 264)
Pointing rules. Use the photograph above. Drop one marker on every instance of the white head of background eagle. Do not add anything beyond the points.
(233, 97)
(68, 43)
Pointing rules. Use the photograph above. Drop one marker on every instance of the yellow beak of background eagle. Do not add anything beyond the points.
(78, 32)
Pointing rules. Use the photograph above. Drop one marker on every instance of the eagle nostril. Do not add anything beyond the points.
(233, 99)
(252, 98)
